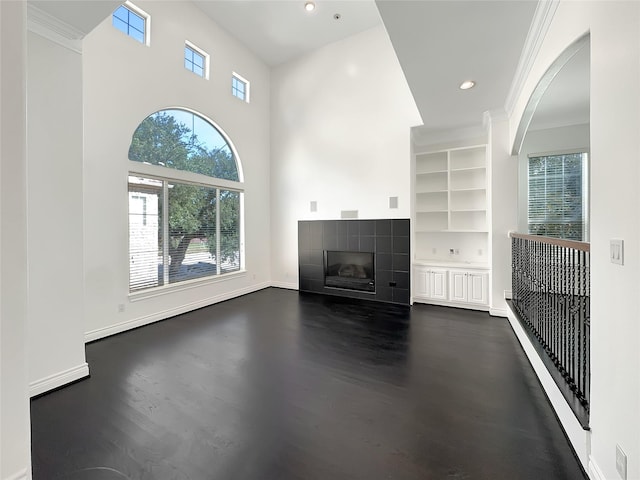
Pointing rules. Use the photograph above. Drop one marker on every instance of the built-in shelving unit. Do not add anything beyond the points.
(451, 228)
(451, 190)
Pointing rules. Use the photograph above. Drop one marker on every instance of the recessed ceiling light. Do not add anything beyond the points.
(309, 6)
(466, 85)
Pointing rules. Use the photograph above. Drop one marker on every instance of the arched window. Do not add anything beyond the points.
(185, 199)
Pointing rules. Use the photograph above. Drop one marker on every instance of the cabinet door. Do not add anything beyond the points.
(438, 284)
(458, 286)
(421, 282)
(478, 285)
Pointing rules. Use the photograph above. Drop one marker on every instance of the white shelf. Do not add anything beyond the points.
(467, 169)
(451, 231)
(432, 172)
(451, 205)
(436, 262)
(474, 189)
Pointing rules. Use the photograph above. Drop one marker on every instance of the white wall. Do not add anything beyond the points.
(124, 82)
(504, 173)
(15, 453)
(340, 123)
(548, 140)
(615, 198)
(54, 214)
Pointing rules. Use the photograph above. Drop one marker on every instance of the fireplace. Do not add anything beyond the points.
(349, 270)
(378, 247)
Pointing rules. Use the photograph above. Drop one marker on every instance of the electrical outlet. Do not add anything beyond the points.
(456, 251)
(621, 463)
(434, 250)
(451, 251)
(480, 252)
(120, 307)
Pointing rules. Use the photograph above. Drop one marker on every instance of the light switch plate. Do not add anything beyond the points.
(621, 462)
(616, 251)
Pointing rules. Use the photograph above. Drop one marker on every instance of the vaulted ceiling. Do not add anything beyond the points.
(438, 43)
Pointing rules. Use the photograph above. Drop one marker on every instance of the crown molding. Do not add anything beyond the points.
(54, 29)
(491, 117)
(545, 11)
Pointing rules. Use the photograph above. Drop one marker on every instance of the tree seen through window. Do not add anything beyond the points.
(199, 234)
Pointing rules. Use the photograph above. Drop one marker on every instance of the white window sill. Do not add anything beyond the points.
(186, 285)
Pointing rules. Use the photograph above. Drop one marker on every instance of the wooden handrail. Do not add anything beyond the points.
(560, 242)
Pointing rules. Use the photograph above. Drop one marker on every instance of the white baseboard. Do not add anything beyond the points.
(499, 312)
(580, 439)
(23, 474)
(287, 285)
(171, 312)
(594, 471)
(58, 379)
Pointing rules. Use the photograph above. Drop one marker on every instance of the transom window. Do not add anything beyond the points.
(184, 225)
(196, 60)
(558, 196)
(132, 21)
(240, 87)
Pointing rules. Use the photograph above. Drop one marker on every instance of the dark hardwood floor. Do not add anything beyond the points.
(278, 385)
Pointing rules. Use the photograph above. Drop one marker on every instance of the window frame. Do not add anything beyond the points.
(161, 173)
(585, 191)
(202, 53)
(145, 17)
(247, 87)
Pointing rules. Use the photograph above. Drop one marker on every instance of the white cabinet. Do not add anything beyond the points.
(430, 283)
(453, 286)
(468, 286)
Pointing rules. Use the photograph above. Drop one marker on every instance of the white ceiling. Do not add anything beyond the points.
(566, 100)
(442, 43)
(281, 30)
(438, 43)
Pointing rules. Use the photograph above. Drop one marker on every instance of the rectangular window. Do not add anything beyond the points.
(196, 60)
(240, 87)
(558, 196)
(180, 231)
(132, 21)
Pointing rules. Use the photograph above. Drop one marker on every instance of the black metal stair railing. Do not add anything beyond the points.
(550, 293)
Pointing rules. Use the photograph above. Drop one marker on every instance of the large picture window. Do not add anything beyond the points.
(186, 225)
(558, 196)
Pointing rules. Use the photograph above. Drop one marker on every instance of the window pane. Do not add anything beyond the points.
(139, 36)
(198, 59)
(129, 22)
(184, 141)
(198, 71)
(556, 197)
(136, 21)
(122, 14)
(120, 25)
(192, 226)
(145, 232)
(229, 231)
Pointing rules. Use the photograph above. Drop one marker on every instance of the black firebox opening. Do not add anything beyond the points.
(349, 270)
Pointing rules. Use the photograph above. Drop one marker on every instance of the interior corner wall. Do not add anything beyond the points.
(340, 136)
(54, 214)
(503, 188)
(615, 198)
(124, 82)
(15, 452)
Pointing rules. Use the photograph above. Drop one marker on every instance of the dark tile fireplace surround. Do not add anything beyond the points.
(387, 239)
